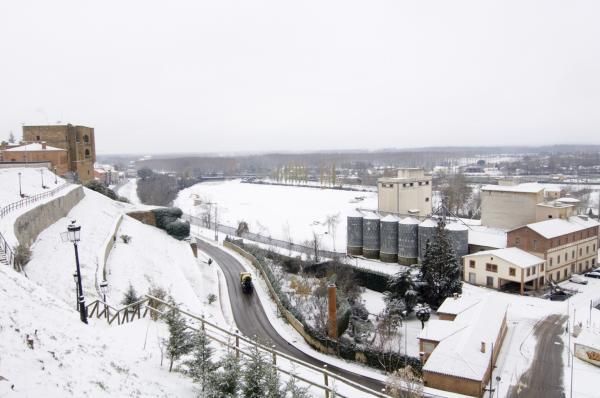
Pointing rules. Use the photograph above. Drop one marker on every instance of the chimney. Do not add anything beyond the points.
(332, 313)
(43, 144)
(483, 347)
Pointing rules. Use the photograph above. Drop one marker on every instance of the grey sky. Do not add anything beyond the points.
(205, 76)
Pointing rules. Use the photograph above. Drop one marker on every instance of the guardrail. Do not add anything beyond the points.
(31, 199)
(141, 309)
(7, 250)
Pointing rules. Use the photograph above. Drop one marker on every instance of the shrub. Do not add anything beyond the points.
(123, 199)
(211, 298)
(130, 296)
(101, 188)
(22, 256)
(166, 215)
(159, 293)
(125, 238)
(179, 229)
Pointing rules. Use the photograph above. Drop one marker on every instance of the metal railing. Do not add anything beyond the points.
(267, 240)
(231, 340)
(31, 199)
(7, 250)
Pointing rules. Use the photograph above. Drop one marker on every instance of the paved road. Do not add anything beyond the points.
(252, 320)
(545, 376)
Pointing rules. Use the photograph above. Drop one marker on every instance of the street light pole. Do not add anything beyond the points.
(42, 174)
(73, 234)
(216, 214)
(20, 191)
(76, 292)
(55, 177)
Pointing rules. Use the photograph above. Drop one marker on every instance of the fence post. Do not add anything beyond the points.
(274, 355)
(326, 379)
(237, 344)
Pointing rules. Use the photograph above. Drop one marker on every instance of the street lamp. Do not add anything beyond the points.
(20, 191)
(42, 174)
(73, 235)
(104, 289)
(55, 177)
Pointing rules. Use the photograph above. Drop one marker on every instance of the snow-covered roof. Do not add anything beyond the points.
(372, 216)
(568, 200)
(459, 354)
(438, 330)
(34, 147)
(532, 187)
(513, 255)
(456, 226)
(456, 305)
(389, 218)
(409, 220)
(487, 236)
(556, 227)
(429, 223)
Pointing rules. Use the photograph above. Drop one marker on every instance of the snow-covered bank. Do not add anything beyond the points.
(280, 211)
(129, 191)
(70, 359)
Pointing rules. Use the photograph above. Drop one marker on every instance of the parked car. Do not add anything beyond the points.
(592, 274)
(559, 296)
(578, 279)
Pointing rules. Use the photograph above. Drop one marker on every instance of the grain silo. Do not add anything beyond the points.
(389, 239)
(458, 234)
(354, 234)
(371, 236)
(426, 232)
(408, 241)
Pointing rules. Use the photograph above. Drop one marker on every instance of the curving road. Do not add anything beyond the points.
(251, 318)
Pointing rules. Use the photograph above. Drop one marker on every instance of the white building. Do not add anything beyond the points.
(409, 193)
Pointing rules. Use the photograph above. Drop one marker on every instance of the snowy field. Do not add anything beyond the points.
(279, 211)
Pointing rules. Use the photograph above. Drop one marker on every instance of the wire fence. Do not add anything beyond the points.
(267, 240)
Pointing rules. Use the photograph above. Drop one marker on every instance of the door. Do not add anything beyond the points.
(472, 278)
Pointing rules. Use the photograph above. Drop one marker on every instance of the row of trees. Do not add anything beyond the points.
(230, 377)
(155, 188)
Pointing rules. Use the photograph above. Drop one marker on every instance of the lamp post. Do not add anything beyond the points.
(42, 174)
(73, 235)
(104, 289)
(76, 292)
(55, 177)
(404, 317)
(20, 191)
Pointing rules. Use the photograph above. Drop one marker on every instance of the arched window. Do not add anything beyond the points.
(87, 153)
(86, 139)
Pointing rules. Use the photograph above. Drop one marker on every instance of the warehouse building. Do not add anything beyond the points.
(407, 194)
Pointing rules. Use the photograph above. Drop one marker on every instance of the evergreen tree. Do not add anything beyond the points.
(295, 391)
(401, 287)
(200, 365)
(440, 269)
(260, 379)
(225, 383)
(178, 343)
(131, 296)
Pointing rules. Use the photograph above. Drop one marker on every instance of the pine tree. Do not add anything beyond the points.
(130, 296)
(402, 287)
(260, 379)
(201, 365)
(440, 269)
(225, 383)
(295, 391)
(178, 343)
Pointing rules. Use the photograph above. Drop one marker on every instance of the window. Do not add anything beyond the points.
(587, 249)
(558, 259)
(491, 267)
(471, 263)
(420, 183)
(558, 276)
(573, 255)
(579, 267)
(528, 271)
(559, 241)
(535, 243)
(565, 273)
(594, 248)
(404, 185)
(426, 199)
(566, 257)
(86, 139)
(512, 271)
(587, 264)
(426, 182)
(87, 153)
(517, 240)
(572, 268)
(549, 215)
(550, 261)
(533, 270)
(580, 251)
(37, 137)
(593, 262)
(541, 267)
(412, 184)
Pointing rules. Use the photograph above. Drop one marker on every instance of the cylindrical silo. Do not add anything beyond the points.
(408, 241)
(355, 234)
(458, 234)
(426, 232)
(389, 239)
(371, 236)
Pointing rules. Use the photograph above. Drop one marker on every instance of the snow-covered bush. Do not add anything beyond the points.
(178, 229)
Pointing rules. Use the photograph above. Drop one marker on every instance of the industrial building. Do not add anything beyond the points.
(78, 141)
(407, 194)
(510, 206)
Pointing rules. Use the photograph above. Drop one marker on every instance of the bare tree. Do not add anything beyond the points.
(332, 222)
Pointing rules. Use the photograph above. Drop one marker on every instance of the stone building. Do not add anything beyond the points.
(38, 152)
(78, 141)
(407, 194)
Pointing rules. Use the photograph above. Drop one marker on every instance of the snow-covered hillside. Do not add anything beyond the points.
(70, 358)
(31, 183)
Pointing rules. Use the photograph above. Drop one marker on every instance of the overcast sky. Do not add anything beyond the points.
(213, 76)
